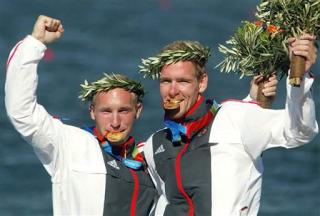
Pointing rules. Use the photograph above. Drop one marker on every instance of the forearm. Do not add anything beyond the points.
(301, 118)
(21, 78)
(30, 119)
(21, 82)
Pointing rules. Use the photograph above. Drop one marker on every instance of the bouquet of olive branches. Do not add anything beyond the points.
(295, 17)
(255, 49)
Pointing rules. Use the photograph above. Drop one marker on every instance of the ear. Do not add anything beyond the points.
(91, 110)
(139, 108)
(203, 83)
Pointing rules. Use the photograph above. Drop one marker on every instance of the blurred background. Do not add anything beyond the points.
(112, 36)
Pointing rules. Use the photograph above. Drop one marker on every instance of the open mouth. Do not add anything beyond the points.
(171, 104)
(115, 136)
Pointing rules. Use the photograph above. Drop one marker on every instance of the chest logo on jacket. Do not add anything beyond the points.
(113, 164)
(159, 150)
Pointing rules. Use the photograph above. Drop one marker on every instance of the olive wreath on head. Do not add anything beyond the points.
(109, 82)
(192, 51)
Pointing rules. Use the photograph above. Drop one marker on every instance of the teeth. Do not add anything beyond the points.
(115, 136)
(171, 104)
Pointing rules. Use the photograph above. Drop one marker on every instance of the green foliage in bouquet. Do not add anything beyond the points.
(255, 48)
(293, 16)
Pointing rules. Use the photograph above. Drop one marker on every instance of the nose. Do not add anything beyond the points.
(115, 121)
(173, 90)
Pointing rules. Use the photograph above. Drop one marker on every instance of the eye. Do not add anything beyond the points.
(164, 81)
(184, 81)
(125, 110)
(105, 110)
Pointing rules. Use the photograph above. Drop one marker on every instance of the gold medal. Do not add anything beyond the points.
(171, 104)
(114, 136)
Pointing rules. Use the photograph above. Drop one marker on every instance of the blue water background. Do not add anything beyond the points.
(112, 36)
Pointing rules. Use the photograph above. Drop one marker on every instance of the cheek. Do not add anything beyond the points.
(102, 118)
(128, 120)
(192, 95)
(163, 91)
(189, 92)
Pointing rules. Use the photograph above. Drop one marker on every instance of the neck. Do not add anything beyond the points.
(197, 117)
(194, 106)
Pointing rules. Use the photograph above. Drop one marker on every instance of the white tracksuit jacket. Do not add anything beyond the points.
(239, 134)
(71, 156)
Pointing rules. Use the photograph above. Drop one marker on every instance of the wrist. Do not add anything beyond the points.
(37, 37)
